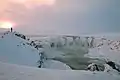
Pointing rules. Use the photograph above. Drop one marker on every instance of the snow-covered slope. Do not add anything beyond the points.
(16, 72)
(17, 49)
(14, 50)
(58, 52)
(80, 51)
(107, 47)
(65, 50)
(74, 51)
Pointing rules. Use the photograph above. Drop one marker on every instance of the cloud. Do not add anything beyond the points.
(64, 17)
(34, 3)
(4, 4)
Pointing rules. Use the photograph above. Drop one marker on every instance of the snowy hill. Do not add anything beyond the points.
(77, 52)
(65, 50)
(80, 51)
(106, 47)
(16, 48)
(91, 56)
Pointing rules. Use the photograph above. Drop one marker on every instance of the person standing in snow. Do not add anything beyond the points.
(41, 61)
(11, 29)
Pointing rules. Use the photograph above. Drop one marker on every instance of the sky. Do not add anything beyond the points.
(62, 16)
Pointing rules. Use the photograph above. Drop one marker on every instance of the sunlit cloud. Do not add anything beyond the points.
(4, 4)
(6, 24)
(33, 3)
(20, 10)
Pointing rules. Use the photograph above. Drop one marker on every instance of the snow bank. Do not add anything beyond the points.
(16, 72)
(52, 64)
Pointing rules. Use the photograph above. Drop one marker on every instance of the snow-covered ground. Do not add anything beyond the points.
(77, 52)
(17, 72)
(15, 50)
(106, 48)
(58, 52)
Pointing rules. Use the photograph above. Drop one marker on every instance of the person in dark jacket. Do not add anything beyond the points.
(11, 29)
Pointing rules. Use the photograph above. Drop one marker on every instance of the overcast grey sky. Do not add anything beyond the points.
(63, 16)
